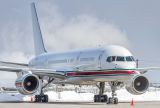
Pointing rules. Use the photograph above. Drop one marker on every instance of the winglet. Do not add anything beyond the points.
(38, 40)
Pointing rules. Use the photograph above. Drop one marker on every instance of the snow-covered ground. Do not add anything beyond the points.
(11, 97)
(69, 96)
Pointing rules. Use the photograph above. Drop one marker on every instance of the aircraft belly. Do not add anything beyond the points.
(93, 79)
(99, 76)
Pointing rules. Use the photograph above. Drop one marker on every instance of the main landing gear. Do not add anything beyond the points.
(104, 98)
(42, 97)
(101, 97)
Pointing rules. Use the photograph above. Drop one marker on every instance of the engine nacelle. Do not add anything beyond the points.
(27, 84)
(137, 85)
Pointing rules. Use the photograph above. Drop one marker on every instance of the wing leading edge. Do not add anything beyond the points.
(144, 70)
(13, 64)
(38, 72)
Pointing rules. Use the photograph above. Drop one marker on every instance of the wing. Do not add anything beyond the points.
(144, 70)
(11, 69)
(13, 64)
(40, 72)
(23, 68)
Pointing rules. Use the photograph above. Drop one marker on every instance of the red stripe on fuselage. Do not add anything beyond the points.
(128, 72)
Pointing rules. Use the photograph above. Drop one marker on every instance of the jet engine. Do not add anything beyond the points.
(27, 84)
(137, 85)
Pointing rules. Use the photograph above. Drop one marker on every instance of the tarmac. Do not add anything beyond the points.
(78, 105)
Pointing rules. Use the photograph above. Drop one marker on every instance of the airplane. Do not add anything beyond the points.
(113, 64)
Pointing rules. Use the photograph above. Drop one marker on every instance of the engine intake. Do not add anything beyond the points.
(137, 85)
(27, 84)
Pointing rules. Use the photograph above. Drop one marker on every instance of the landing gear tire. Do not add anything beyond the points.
(112, 100)
(109, 100)
(115, 100)
(37, 98)
(100, 98)
(41, 98)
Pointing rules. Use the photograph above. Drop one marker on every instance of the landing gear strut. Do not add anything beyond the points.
(42, 97)
(101, 97)
(104, 98)
(113, 99)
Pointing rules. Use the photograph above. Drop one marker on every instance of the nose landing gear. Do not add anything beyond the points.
(104, 98)
(113, 99)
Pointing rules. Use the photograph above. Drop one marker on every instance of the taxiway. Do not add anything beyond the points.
(77, 105)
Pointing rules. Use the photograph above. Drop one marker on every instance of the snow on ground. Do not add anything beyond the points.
(53, 96)
(11, 97)
(69, 96)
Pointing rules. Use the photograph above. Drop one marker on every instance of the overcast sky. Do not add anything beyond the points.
(70, 24)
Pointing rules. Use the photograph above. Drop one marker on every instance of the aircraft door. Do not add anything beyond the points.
(100, 60)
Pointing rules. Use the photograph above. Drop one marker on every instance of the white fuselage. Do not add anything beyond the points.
(99, 64)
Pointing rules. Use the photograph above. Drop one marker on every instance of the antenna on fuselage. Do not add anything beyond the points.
(137, 63)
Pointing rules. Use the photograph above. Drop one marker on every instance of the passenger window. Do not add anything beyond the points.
(120, 58)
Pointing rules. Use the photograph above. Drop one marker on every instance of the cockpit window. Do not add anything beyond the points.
(111, 58)
(129, 58)
(120, 58)
(132, 58)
